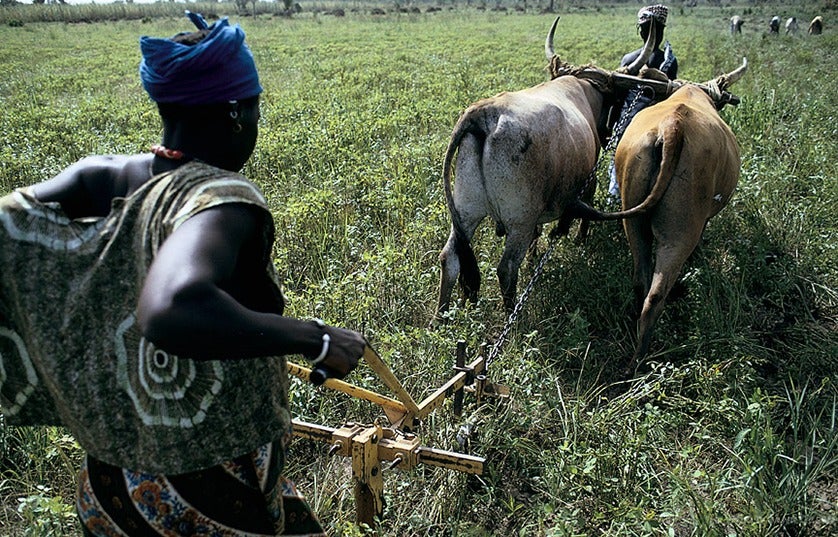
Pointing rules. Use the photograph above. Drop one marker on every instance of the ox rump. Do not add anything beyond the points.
(522, 158)
(677, 165)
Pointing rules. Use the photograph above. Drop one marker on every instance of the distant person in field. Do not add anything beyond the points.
(140, 309)
(636, 99)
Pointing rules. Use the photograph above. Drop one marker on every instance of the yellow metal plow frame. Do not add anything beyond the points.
(371, 444)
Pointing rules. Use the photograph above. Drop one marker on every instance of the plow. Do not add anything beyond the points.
(396, 445)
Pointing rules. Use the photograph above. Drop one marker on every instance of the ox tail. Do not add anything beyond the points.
(671, 141)
(469, 272)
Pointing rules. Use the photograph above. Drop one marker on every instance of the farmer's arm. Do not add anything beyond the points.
(185, 310)
(86, 187)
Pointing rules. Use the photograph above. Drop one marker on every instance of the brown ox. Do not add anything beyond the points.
(816, 26)
(522, 158)
(677, 165)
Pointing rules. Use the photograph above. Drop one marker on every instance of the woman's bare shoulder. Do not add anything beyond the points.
(115, 175)
(86, 187)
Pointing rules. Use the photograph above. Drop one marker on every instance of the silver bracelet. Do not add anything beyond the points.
(325, 349)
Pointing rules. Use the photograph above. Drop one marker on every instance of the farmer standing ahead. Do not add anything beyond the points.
(139, 308)
(662, 60)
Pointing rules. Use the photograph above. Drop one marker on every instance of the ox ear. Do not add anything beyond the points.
(548, 43)
(645, 53)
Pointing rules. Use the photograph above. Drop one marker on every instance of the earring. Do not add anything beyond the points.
(234, 115)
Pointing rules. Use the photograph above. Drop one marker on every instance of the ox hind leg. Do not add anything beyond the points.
(639, 234)
(669, 261)
(457, 261)
(518, 241)
(587, 197)
(450, 264)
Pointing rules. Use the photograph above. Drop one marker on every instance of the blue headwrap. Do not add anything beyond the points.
(218, 69)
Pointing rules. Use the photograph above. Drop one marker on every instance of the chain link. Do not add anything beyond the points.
(519, 306)
(618, 130)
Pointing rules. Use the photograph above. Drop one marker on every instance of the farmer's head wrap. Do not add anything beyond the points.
(657, 13)
(217, 69)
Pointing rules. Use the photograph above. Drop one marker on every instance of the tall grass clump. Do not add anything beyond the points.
(731, 427)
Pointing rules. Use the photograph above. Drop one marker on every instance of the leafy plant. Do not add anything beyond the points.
(45, 515)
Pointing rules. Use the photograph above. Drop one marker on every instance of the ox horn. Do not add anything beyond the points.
(548, 43)
(645, 54)
(725, 81)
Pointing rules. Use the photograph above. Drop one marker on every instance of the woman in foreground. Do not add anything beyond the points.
(140, 309)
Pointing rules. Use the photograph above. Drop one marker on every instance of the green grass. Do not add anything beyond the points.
(733, 430)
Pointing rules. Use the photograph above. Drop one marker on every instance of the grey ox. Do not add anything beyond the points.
(522, 158)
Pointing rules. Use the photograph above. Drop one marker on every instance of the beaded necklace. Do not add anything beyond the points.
(164, 152)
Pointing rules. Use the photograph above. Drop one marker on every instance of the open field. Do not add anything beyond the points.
(734, 428)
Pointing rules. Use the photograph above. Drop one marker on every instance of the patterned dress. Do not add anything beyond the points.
(205, 439)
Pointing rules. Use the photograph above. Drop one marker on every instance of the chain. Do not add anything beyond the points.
(519, 306)
(618, 130)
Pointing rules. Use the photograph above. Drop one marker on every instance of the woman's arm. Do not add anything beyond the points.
(185, 310)
(86, 187)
